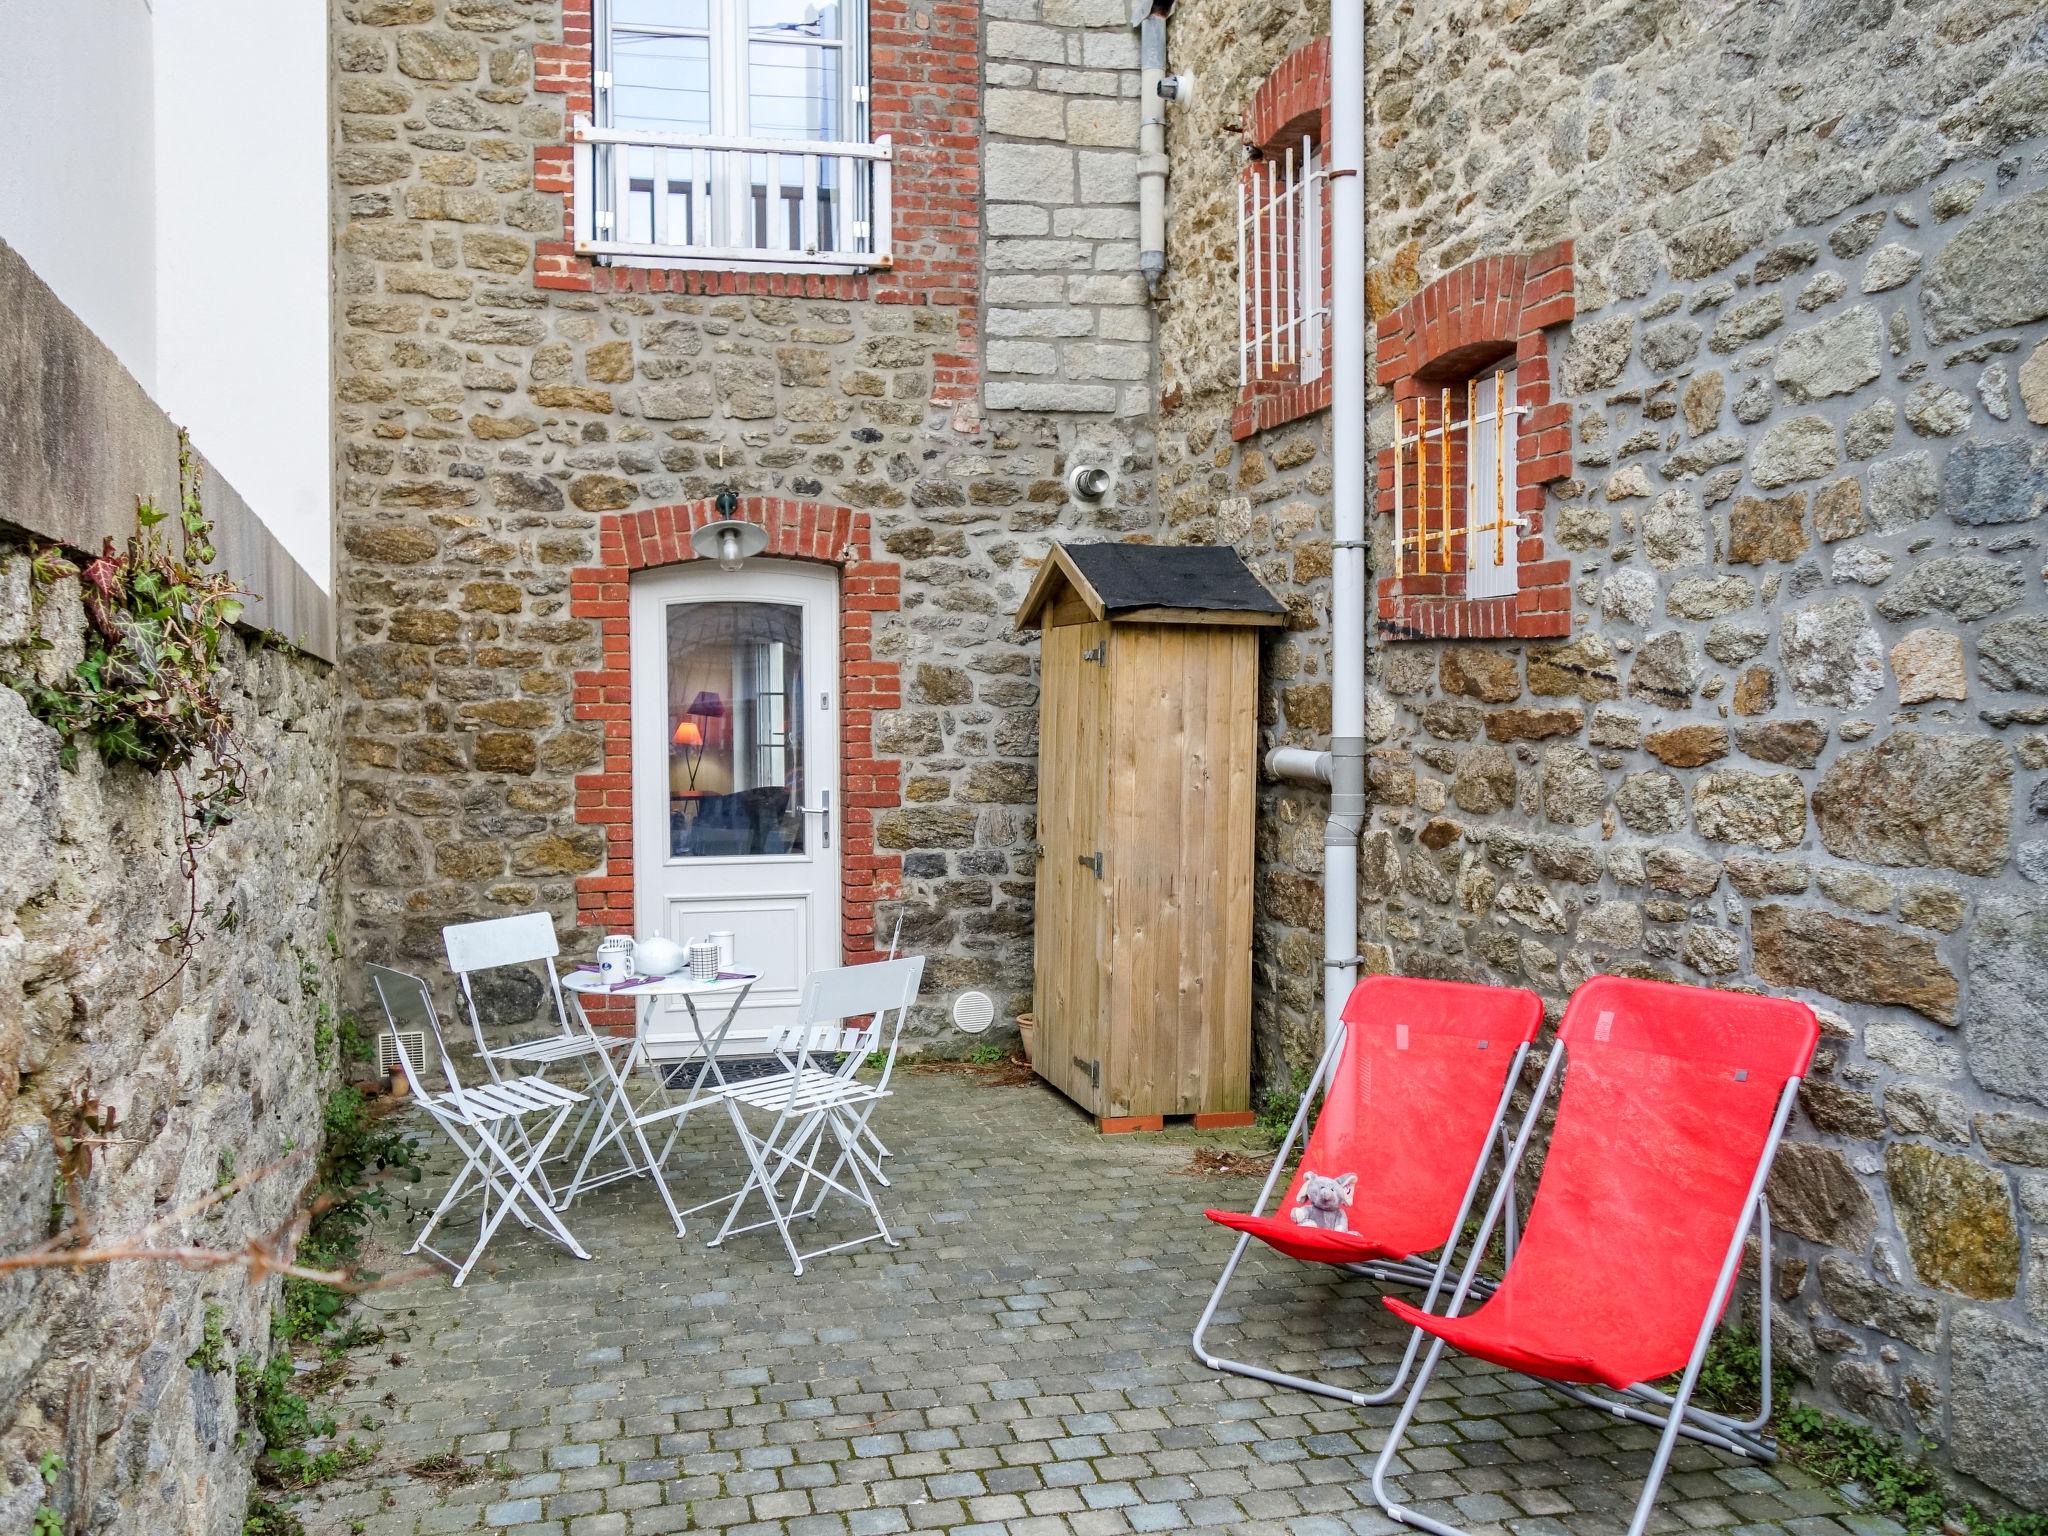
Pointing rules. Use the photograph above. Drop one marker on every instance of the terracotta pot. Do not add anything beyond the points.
(1027, 1026)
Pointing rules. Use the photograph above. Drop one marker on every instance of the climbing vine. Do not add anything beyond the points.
(150, 690)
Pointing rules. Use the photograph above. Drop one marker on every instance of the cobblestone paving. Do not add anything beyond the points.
(1020, 1364)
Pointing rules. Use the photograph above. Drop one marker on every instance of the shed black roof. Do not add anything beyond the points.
(1211, 576)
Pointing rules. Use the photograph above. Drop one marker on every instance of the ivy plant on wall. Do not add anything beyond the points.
(150, 688)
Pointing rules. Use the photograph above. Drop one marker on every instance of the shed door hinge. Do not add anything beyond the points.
(1091, 861)
(1094, 654)
(1093, 1069)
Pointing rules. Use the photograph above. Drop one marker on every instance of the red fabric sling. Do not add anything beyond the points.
(1406, 1113)
(1668, 1100)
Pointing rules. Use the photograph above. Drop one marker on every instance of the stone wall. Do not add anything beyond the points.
(493, 415)
(1068, 318)
(1794, 739)
(191, 1079)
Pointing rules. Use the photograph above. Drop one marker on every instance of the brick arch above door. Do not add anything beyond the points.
(797, 530)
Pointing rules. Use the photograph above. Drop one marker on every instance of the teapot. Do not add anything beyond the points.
(658, 956)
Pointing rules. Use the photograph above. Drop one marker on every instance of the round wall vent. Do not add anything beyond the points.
(973, 1012)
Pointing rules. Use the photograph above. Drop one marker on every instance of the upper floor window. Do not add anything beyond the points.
(1455, 489)
(732, 133)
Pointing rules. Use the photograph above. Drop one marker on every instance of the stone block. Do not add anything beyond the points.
(1802, 448)
(1758, 810)
(1816, 1195)
(2008, 1016)
(1831, 653)
(1111, 124)
(1836, 357)
(1029, 173)
(1992, 273)
(1998, 1404)
(1958, 1217)
(1928, 664)
(1857, 962)
(1965, 587)
(1917, 800)
(1026, 115)
(1860, 1299)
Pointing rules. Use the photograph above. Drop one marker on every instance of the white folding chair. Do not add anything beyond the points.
(482, 1123)
(815, 1112)
(527, 940)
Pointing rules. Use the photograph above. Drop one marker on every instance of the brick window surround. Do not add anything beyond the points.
(924, 91)
(1489, 310)
(1292, 102)
(868, 782)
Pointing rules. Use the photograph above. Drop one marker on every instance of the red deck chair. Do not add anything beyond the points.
(1417, 1092)
(1673, 1105)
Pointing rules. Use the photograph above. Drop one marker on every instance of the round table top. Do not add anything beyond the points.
(659, 986)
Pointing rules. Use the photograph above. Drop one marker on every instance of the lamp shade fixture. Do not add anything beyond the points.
(730, 541)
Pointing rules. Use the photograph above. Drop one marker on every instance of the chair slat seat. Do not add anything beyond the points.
(816, 1089)
(550, 1048)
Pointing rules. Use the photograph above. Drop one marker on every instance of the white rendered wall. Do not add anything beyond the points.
(77, 184)
(242, 252)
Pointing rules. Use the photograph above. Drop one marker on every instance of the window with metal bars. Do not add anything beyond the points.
(1283, 292)
(1455, 453)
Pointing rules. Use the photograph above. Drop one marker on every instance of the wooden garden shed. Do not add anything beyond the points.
(1147, 747)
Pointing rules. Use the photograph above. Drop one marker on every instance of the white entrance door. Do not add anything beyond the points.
(736, 774)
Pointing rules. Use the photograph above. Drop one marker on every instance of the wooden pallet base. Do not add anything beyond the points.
(1222, 1120)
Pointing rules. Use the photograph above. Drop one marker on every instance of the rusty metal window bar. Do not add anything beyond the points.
(1461, 513)
(1282, 311)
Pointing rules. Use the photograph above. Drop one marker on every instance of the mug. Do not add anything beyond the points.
(615, 959)
(703, 960)
(724, 941)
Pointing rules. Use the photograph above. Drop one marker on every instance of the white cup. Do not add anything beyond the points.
(724, 941)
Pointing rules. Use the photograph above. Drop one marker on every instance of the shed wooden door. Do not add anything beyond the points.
(1073, 891)
(1185, 702)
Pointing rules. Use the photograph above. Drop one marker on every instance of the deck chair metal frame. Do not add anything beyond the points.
(1673, 1413)
(529, 939)
(1424, 1274)
(503, 1169)
(810, 1103)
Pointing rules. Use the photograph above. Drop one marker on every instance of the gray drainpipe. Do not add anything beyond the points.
(1152, 145)
(1342, 767)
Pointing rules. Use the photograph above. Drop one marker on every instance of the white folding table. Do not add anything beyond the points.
(622, 1121)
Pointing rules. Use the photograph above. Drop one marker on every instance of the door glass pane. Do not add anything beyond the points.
(793, 90)
(661, 82)
(735, 729)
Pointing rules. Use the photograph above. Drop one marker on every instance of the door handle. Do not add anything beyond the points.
(824, 810)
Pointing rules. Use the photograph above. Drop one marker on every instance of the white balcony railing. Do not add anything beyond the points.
(774, 204)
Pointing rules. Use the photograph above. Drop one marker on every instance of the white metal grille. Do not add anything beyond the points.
(1282, 309)
(1455, 475)
(387, 1051)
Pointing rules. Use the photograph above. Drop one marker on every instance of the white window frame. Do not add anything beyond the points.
(728, 37)
(710, 217)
